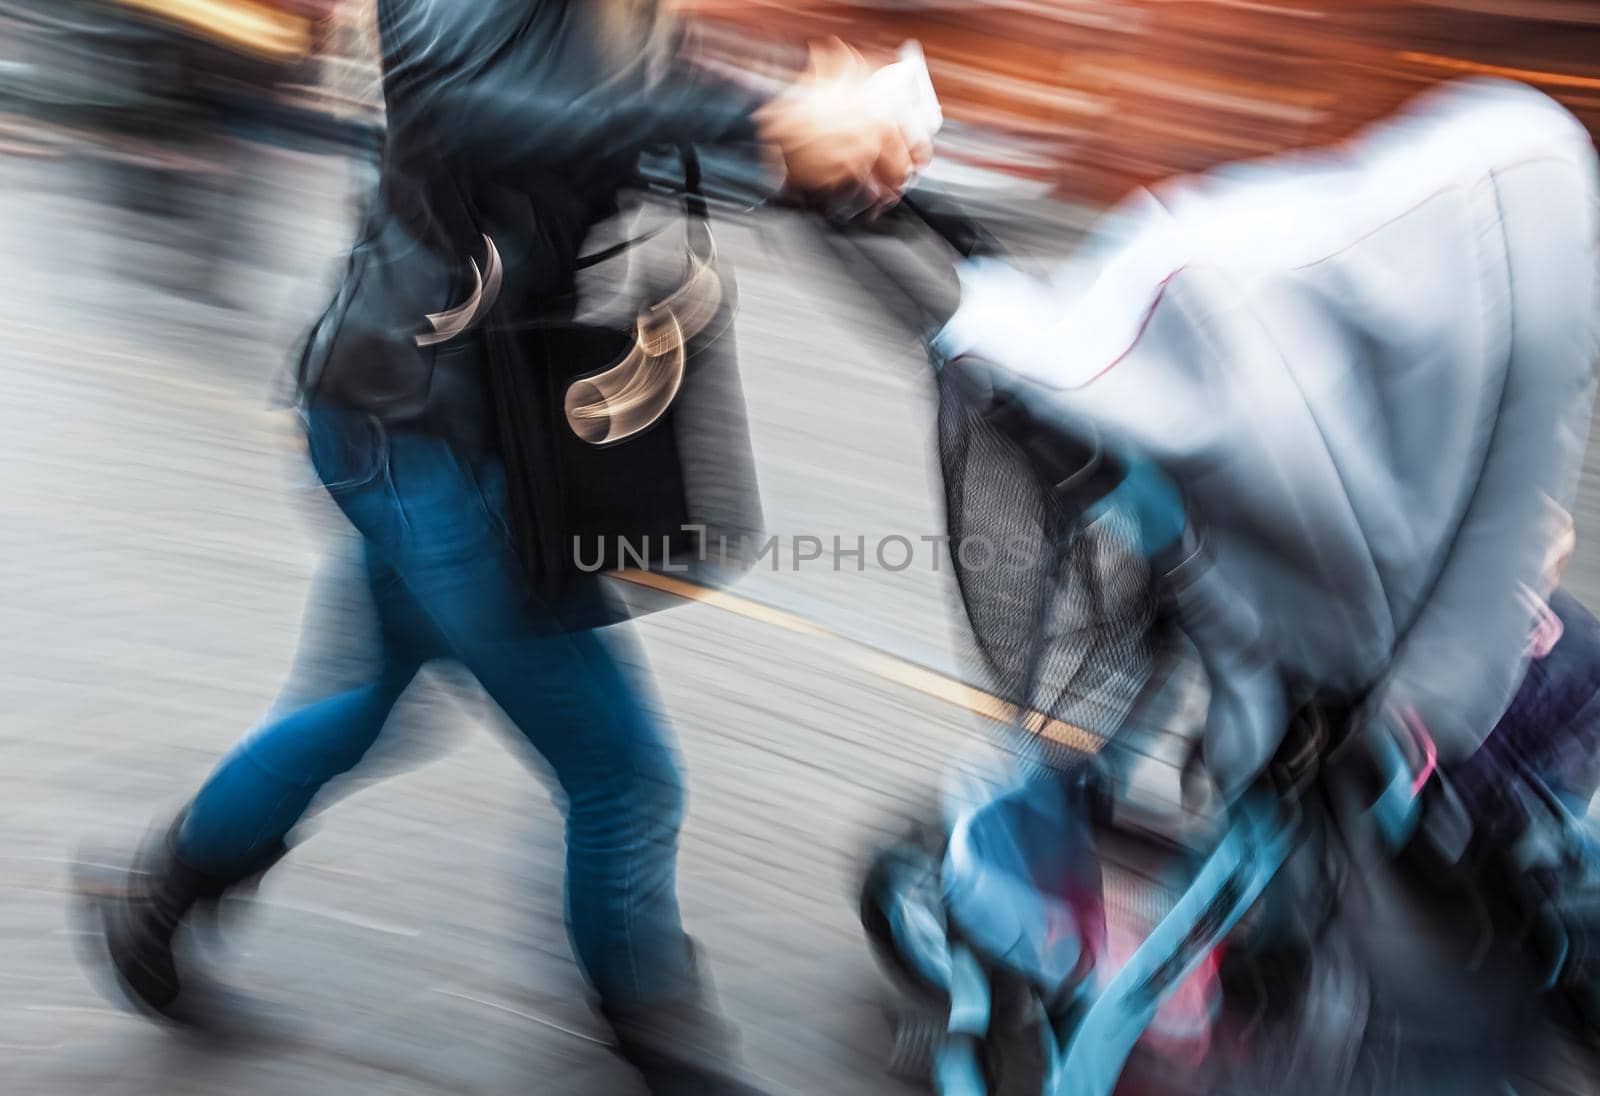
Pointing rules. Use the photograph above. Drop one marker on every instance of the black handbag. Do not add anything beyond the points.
(628, 449)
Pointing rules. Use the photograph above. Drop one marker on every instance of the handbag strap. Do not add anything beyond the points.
(694, 195)
(584, 262)
(695, 207)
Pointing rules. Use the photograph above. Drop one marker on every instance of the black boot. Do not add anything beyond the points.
(136, 914)
(683, 1046)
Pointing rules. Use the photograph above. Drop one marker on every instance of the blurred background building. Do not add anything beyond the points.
(1081, 98)
(157, 72)
(1090, 97)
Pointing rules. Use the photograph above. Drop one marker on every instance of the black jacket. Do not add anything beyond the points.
(501, 122)
(1551, 731)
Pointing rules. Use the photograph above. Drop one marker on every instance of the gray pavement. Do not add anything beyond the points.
(158, 538)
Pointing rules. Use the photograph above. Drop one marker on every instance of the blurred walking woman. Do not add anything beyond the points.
(516, 122)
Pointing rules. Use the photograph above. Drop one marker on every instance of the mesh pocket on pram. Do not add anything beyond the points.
(1058, 602)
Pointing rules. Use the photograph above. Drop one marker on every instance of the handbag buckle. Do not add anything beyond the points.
(485, 289)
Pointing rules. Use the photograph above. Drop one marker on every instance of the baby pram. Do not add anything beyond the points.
(998, 917)
(1000, 920)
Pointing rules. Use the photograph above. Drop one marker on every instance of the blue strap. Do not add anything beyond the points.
(1153, 499)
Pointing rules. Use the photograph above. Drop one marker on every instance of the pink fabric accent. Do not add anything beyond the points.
(1144, 327)
(1430, 751)
(1182, 1027)
(1547, 627)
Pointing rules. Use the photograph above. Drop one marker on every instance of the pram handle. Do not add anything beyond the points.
(965, 235)
(1076, 465)
(915, 284)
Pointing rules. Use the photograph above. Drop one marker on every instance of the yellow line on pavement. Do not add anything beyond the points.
(898, 670)
(721, 599)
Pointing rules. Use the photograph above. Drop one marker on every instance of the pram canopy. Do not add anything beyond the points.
(1369, 370)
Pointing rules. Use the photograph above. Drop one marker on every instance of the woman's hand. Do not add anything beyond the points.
(840, 139)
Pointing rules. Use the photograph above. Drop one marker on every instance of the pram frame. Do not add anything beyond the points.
(1088, 1044)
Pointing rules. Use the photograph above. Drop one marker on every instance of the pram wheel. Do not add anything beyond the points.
(903, 916)
(1012, 1058)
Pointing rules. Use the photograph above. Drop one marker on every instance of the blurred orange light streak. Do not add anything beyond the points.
(249, 25)
(1527, 76)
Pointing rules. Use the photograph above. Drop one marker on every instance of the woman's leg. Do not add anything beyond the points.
(590, 715)
(237, 822)
(341, 641)
(590, 718)
(569, 695)
(234, 828)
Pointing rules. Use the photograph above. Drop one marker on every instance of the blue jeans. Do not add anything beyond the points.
(445, 583)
